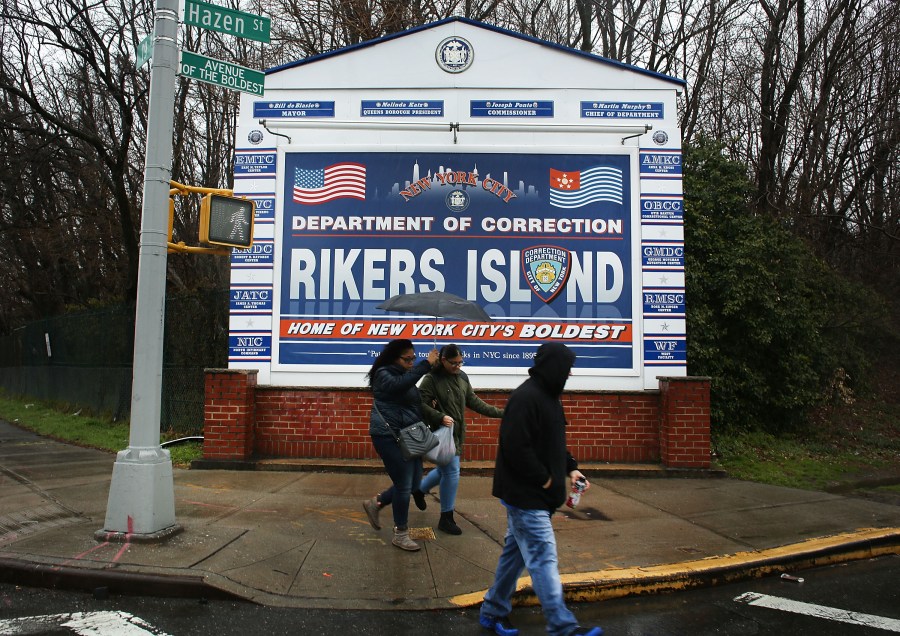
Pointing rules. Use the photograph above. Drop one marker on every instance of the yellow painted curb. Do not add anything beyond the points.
(618, 582)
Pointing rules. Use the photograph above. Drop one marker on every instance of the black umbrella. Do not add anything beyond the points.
(438, 304)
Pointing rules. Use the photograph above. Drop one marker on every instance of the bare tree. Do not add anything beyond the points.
(805, 94)
(841, 161)
(790, 38)
(308, 28)
(72, 137)
(72, 120)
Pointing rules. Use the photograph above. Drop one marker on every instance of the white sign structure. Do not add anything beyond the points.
(537, 181)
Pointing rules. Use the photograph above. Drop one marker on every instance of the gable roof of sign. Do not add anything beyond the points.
(481, 25)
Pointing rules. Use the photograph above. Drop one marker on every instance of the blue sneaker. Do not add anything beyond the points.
(500, 626)
(587, 631)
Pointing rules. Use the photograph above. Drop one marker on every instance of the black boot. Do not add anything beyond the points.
(447, 524)
(419, 497)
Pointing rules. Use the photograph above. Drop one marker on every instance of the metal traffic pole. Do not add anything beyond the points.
(142, 493)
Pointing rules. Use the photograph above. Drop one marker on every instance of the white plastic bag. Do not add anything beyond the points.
(445, 451)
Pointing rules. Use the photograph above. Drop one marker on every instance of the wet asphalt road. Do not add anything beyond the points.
(863, 590)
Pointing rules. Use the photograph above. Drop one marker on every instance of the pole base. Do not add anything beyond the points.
(142, 493)
(153, 537)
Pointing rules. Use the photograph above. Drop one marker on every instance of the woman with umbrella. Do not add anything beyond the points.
(446, 392)
(395, 405)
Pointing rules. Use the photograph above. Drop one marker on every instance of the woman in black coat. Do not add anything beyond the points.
(395, 405)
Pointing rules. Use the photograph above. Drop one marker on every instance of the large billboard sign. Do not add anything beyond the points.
(552, 199)
(545, 243)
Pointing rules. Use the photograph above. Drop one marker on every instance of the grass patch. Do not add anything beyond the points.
(851, 444)
(184, 454)
(65, 424)
(764, 458)
(59, 422)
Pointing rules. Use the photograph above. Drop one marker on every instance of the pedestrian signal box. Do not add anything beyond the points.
(226, 220)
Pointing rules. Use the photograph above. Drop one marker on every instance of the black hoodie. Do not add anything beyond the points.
(532, 445)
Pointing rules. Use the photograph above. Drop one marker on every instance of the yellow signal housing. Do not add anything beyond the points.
(171, 217)
(226, 220)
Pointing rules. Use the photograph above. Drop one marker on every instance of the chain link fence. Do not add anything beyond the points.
(84, 359)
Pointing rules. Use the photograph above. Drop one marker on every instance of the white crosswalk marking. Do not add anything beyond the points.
(819, 611)
(81, 623)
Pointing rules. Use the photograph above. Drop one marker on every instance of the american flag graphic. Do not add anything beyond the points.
(576, 189)
(337, 181)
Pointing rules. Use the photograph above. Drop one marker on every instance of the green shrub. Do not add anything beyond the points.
(776, 329)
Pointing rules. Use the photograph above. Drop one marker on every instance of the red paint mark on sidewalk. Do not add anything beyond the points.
(127, 543)
(78, 557)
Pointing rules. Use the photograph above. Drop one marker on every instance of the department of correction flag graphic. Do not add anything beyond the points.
(576, 189)
(337, 181)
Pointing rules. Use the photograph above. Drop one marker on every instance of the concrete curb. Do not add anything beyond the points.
(103, 582)
(616, 583)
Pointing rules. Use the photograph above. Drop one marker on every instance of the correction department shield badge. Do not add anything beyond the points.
(546, 269)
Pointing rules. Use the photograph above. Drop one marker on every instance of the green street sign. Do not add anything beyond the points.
(212, 71)
(215, 18)
(144, 51)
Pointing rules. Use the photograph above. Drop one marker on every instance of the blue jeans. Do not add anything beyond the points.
(530, 544)
(404, 475)
(448, 477)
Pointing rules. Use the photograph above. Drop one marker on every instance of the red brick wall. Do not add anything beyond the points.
(229, 414)
(293, 422)
(603, 427)
(665, 426)
(613, 427)
(684, 428)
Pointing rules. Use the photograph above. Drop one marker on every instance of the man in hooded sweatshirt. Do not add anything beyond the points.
(530, 480)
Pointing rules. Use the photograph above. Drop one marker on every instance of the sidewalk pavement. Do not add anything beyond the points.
(294, 534)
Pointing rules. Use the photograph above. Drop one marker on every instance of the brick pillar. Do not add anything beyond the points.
(229, 414)
(684, 422)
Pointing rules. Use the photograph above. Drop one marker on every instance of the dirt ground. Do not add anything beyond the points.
(869, 426)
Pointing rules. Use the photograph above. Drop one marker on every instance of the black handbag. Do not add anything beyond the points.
(415, 440)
